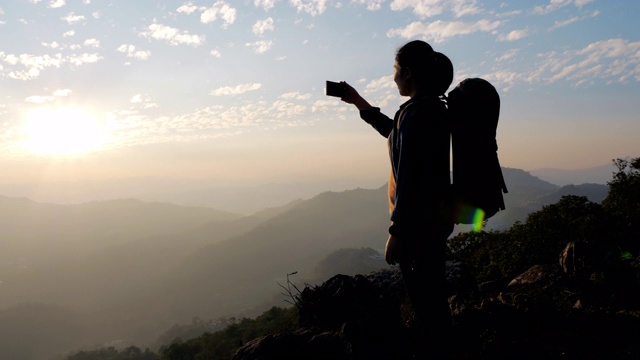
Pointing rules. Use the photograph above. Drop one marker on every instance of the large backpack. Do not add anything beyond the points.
(478, 184)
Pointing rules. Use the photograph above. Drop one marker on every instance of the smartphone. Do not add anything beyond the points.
(334, 89)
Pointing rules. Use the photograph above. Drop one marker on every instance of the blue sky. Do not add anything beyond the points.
(233, 91)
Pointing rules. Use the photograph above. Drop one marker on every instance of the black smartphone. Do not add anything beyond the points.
(334, 89)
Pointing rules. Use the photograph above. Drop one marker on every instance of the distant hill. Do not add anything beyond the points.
(528, 193)
(596, 175)
(39, 232)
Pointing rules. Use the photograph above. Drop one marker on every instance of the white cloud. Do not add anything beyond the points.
(262, 26)
(219, 10)
(439, 31)
(261, 46)
(503, 80)
(72, 18)
(54, 4)
(131, 52)
(31, 64)
(187, 8)
(513, 35)
(295, 96)
(84, 59)
(372, 5)
(37, 99)
(215, 53)
(94, 43)
(144, 100)
(172, 35)
(382, 83)
(430, 8)
(62, 92)
(236, 90)
(68, 33)
(265, 4)
(311, 7)
(52, 45)
(558, 4)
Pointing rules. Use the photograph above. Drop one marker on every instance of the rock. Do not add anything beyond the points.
(542, 286)
(356, 317)
(567, 259)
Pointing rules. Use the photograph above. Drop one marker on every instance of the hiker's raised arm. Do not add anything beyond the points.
(372, 115)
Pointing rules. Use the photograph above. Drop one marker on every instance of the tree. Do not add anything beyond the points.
(623, 204)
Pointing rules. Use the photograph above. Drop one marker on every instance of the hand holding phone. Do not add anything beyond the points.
(336, 89)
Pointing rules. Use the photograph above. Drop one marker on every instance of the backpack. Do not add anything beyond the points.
(478, 184)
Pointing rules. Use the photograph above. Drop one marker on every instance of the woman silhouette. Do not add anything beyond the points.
(419, 184)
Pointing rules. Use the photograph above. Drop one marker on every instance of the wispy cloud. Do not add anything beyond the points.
(172, 35)
(439, 31)
(372, 5)
(235, 90)
(574, 19)
(295, 96)
(508, 55)
(613, 61)
(431, 8)
(311, 7)
(513, 35)
(558, 4)
(559, 24)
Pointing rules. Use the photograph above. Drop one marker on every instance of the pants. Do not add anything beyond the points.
(424, 277)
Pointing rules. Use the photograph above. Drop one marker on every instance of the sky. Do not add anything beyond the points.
(232, 92)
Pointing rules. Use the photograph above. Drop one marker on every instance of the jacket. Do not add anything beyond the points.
(419, 186)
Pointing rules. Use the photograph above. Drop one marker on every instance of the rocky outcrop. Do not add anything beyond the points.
(535, 316)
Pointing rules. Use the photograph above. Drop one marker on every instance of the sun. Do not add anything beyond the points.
(61, 131)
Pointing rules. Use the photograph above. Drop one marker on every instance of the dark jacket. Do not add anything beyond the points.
(419, 185)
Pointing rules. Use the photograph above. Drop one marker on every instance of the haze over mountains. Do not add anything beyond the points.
(236, 198)
(127, 270)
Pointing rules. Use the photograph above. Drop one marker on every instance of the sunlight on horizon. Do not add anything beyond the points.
(61, 132)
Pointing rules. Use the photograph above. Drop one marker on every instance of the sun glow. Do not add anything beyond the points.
(61, 132)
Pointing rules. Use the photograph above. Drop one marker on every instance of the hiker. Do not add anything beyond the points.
(419, 184)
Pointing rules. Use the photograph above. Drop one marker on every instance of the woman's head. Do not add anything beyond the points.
(418, 65)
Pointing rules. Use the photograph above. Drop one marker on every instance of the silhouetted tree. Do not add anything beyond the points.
(623, 203)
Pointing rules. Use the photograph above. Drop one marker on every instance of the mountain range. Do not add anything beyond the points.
(245, 198)
(126, 270)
